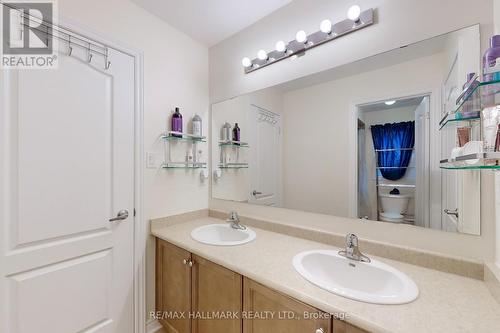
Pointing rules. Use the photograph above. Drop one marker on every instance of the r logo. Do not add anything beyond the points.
(23, 30)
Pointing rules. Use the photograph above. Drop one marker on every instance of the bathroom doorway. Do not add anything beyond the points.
(393, 161)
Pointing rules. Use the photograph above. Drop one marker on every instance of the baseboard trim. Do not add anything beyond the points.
(153, 326)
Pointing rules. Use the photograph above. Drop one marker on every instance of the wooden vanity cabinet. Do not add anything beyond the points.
(278, 313)
(173, 287)
(215, 290)
(343, 327)
(190, 289)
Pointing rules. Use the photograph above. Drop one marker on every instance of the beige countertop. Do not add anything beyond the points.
(446, 303)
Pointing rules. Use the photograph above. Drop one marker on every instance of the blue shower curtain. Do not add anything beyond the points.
(395, 138)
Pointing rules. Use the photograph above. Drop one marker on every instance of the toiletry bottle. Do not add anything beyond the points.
(226, 132)
(236, 133)
(177, 123)
(197, 125)
(490, 57)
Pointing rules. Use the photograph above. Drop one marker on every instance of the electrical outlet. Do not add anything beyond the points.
(151, 160)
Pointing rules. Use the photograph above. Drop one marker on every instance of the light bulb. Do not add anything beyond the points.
(326, 26)
(389, 102)
(246, 62)
(280, 46)
(262, 55)
(301, 36)
(353, 13)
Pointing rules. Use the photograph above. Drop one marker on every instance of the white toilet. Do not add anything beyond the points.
(393, 205)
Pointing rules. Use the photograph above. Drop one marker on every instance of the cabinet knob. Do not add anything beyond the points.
(190, 263)
(320, 330)
(185, 261)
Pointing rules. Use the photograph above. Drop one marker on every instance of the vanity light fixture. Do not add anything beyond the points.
(326, 26)
(389, 102)
(301, 36)
(280, 46)
(246, 62)
(353, 13)
(304, 42)
(262, 55)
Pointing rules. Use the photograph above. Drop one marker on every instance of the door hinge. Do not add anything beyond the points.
(134, 212)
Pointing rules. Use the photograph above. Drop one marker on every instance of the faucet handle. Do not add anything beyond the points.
(351, 240)
(233, 215)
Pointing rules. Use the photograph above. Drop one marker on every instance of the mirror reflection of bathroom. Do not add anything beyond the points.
(393, 150)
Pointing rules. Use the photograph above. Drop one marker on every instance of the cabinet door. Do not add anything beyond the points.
(216, 290)
(173, 287)
(343, 327)
(278, 313)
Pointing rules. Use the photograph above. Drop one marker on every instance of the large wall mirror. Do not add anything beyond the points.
(363, 140)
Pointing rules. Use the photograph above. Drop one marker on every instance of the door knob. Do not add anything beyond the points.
(122, 215)
(255, 193)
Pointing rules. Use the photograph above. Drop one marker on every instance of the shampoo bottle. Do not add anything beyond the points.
(236, 133)
(490, 57)
(177, 123)
(197, 126)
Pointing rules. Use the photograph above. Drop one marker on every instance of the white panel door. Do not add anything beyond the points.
(66, 168)
(265, 162)
(422, 148)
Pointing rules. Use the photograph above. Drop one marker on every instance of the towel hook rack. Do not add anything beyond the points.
(89, 56)
(107, 63)
(70, 48)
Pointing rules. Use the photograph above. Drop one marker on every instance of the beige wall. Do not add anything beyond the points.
(175, 74)
(398, 23)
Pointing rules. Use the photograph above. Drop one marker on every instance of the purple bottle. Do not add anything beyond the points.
(490, 56)
(236, 133)
(177, 123)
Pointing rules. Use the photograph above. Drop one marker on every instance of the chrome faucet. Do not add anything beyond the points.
(234, 219)
(352, 249)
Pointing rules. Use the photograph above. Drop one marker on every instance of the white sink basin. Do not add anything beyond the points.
(222, 234)
(373, 282)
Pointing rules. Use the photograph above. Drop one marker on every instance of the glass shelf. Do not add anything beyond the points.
(478, 161)
(178, 136)
(233, 166)
(184, 165)
(450, 119)
(235, 144)
(483, 95)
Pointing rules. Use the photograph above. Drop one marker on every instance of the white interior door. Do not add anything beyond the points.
(265, 164)
(422, 149)
(66, 168)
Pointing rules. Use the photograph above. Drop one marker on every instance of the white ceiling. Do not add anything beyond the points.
(211, 21)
